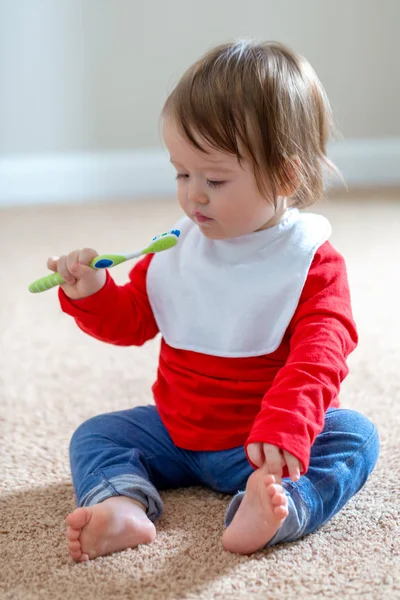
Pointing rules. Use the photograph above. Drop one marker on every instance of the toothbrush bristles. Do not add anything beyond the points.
(173, 231)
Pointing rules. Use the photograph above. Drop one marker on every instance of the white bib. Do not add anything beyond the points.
(234, 297)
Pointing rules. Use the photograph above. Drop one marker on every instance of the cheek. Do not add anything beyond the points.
(254, 213)
(267, 209)
(181, 196)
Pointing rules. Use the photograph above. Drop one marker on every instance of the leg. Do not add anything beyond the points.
(342, 458)
(118, 461)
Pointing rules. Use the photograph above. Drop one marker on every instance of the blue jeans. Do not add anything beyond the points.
(130, 453)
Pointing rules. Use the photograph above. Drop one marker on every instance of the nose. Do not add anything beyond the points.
(196, 193)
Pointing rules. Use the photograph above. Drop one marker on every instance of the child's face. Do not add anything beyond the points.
(216, 192)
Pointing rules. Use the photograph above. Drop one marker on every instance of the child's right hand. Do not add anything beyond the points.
(80, 279)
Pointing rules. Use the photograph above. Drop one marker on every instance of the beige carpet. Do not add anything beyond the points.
(52, 377)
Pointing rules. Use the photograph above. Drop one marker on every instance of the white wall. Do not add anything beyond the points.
(91, 75)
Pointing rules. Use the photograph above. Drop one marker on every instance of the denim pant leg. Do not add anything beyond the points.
(127, 453)
(342, 458)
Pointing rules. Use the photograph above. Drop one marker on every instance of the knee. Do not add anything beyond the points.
(95, 426)
(349, 421)
(360, 431)
(371, 446)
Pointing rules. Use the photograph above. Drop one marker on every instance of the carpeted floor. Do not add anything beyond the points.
(52, 377)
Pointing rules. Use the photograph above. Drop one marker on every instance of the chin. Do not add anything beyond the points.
(217, 237)
(209, 232)
(213, 236)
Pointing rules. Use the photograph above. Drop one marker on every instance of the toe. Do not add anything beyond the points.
(269, 479)
(84, 557)
(75, 555)
(274, 488)
(278, 499)
(281, 512)
(74, 547)
(73, 534)
(79, 518)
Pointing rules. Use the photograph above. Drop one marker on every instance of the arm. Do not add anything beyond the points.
(322, 335)
(120, 315)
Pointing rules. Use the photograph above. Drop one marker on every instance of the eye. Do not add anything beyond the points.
(182, 176)
(214, 184)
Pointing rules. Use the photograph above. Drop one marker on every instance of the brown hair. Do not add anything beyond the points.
(263, 101)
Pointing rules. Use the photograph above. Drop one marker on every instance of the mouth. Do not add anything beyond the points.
(200, 218)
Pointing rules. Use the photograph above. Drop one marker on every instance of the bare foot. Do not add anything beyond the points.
(262, 511)
(111, 526)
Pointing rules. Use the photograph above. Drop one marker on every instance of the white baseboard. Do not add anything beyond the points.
(138, 174)
(81, 177)
(367, 162)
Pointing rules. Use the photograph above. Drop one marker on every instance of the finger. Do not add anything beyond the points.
(62, 269)
(82, 266)
(293, 465)
(72, 259)
(52, 263)
(274, 459)
(86, 255)
(255, 454)
(79, 263)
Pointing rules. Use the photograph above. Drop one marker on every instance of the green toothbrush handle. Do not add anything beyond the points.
(46, 283)
(104, 261)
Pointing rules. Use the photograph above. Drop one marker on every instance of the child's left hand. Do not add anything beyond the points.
(275, 460)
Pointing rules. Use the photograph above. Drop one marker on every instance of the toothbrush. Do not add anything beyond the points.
(107, 261)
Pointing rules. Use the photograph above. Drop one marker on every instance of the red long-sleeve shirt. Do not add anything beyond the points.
(214, 403)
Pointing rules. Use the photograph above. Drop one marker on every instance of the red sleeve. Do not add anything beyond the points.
(119, 315)
(322, 334)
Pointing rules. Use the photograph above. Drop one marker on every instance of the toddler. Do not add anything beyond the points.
(254, 311)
